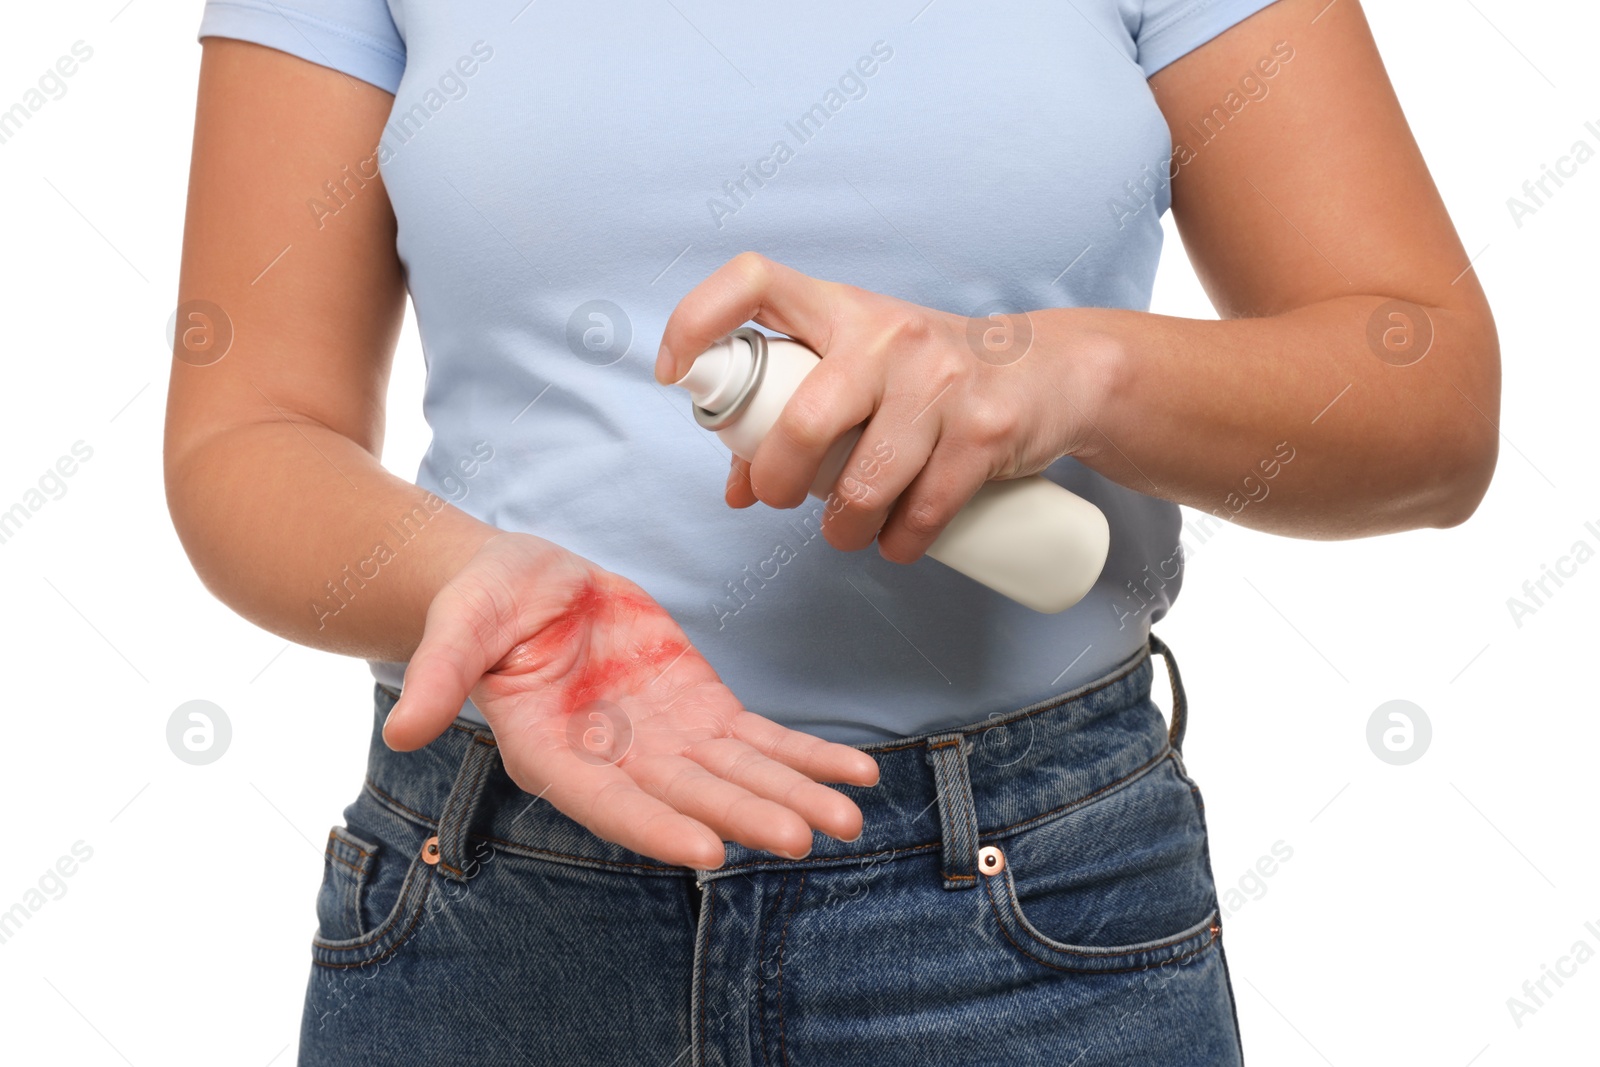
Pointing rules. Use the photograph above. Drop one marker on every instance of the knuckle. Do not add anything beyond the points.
(680, 782)
(745, 765)
(987, 423)
(752, 268)
(857, 496)
(806, 421)
(789, 747)
(924, 520)
(906, 327)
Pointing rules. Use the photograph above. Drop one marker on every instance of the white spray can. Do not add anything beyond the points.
(1026, 538)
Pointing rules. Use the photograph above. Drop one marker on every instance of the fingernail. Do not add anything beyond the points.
(664, 365)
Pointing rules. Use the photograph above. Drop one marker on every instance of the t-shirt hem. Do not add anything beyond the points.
(1181, 33)
(310, 38)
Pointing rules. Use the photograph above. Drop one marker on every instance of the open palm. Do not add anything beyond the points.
(601, 706)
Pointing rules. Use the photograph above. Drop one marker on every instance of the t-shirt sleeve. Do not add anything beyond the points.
(357, 37)
(1171, 29)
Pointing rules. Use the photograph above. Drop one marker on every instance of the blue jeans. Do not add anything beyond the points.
(1034, 888)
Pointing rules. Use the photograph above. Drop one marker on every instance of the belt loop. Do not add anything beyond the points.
(462, 805)
(1180, 703)
(958, 816)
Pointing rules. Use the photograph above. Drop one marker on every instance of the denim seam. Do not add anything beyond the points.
(1216, 936)
(378, 935)
(761, 976)
(328, 852)
(1213, 921)
(1063, 810)
(711, 900)
(820, 862)
(591, 862)
(391, 949)
(783, 1048)
(398, 808)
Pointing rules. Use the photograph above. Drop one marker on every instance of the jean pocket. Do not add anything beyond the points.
(371, 900)
(348, 861)
(1122, 883)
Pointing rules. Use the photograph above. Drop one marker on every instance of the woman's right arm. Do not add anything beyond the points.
(272, 470)
(275, 488)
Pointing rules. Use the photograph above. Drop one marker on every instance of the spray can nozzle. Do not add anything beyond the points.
(722, 379)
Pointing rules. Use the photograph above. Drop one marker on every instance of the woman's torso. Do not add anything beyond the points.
(599, 160)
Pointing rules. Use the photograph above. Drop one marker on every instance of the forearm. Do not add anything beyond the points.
(303, 532)
(1204, 413)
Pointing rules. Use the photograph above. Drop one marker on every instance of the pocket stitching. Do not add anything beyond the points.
(1211, 923)
(398, 944)
(1091, 951)
(365, 849)
(417, 884)
(1013, 905)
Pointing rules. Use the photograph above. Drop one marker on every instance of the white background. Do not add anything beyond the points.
(1417, 900)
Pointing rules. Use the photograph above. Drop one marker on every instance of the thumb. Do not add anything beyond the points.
(447, 664)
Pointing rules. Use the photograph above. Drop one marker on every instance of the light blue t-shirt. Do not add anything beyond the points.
(563, 172)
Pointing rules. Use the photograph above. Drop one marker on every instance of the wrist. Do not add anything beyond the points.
(465, 542)
(1086, 365)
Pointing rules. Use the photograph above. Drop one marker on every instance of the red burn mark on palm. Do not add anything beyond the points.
(641, 668)
(564, 641)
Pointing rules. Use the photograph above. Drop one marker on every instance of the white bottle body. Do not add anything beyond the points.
(1028, 539)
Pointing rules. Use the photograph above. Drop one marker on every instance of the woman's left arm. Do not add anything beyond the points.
(1354, 337)
(1321, 239)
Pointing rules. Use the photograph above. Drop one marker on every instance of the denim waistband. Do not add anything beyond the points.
(942, 793)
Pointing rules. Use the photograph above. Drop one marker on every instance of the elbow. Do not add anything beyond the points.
(1469, 481)
(187, 496)
(1469, 441)
(1471, 487)
(181, 510)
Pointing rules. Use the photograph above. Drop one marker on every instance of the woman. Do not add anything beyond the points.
(656, 780)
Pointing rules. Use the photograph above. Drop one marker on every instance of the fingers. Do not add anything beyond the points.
(612, 805)
(448, 662)
(937, 494)
(819, 760)
(889, 352)
(813, 432)
(825, 809)
(747, 287)
(739, 494)
(728, 809)
(877, 473)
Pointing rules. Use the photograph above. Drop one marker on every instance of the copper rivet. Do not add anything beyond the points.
(991, 860)
(430, 850)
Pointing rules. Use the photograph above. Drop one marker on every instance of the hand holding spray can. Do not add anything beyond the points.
(1026, 538)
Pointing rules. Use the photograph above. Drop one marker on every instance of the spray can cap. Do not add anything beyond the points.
(723, 377)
